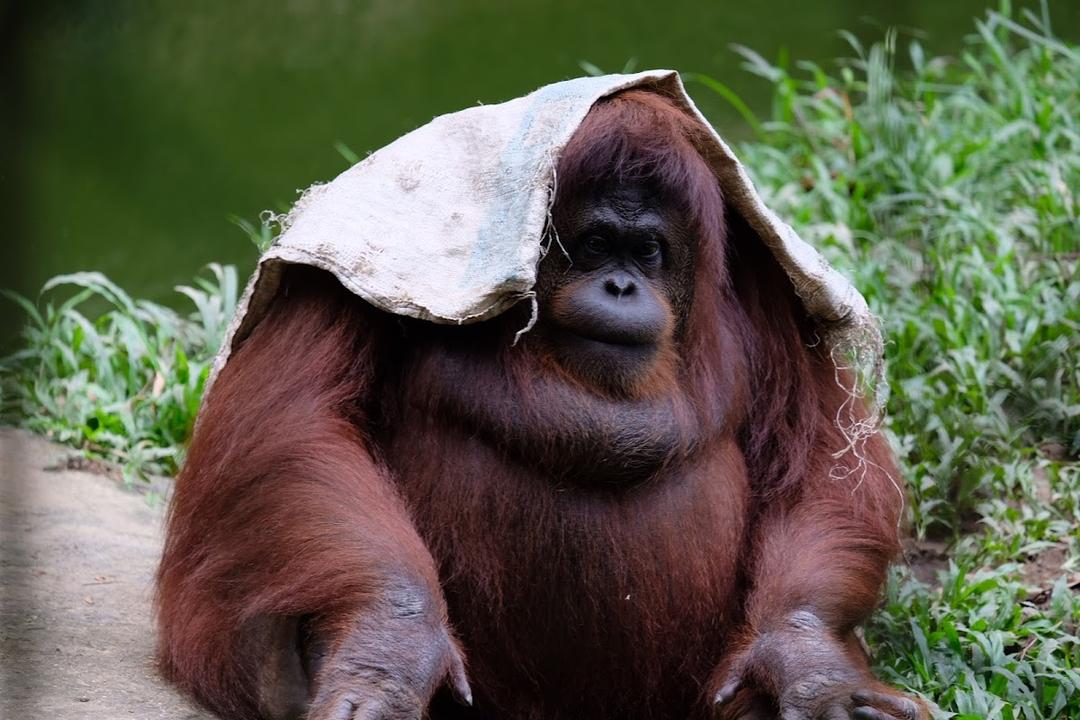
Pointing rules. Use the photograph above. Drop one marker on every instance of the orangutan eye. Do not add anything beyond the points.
(649, 250)
(595, 245)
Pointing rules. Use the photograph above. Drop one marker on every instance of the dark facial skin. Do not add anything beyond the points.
(613, 290)
(612, 293)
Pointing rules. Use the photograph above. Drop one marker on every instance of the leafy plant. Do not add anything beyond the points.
(125, 386)
(949, 190)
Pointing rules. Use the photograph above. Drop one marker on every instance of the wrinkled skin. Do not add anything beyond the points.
(616, 284)
(805, 673)
(389, 666)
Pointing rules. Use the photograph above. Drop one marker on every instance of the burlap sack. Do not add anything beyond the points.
(446, 223)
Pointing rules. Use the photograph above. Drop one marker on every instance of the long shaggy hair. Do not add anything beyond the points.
(339, 445)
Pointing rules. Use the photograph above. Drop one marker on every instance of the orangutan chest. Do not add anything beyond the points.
(567, 583)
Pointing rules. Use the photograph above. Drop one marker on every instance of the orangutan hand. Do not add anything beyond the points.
(388, 666)
(809, 674)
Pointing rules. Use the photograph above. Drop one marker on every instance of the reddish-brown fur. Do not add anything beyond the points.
(342, 452)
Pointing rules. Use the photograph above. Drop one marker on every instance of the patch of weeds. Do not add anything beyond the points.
(950, 191)
(979, 645)
(125, 385)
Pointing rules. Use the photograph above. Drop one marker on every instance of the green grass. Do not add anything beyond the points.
(949, 191)
(948, 188)
(125, 386)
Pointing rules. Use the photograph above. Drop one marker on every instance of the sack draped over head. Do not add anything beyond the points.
(446, 223)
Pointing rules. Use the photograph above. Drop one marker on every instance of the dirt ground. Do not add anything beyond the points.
(77, 556)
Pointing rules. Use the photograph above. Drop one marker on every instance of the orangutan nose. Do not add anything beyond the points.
(620, 286)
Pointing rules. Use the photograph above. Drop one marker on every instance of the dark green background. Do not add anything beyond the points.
(133, 128)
